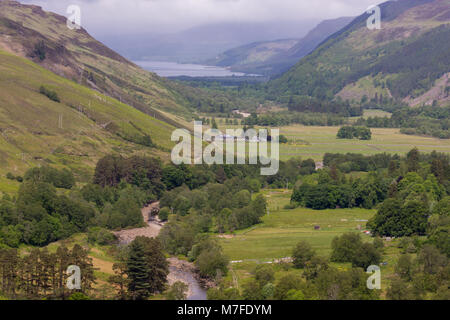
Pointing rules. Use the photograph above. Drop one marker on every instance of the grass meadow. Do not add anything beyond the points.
(283, 228)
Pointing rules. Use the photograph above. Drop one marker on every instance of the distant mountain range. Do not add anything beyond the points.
(275, 57)
(204, 42)
(407, 59)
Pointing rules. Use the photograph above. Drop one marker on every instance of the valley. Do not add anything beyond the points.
(90, 145)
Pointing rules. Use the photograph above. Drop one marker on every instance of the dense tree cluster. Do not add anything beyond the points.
(351, 132)
(421, 273)
(58, 178)
(40, 216)
(350, 248)
(330, 189)
(292, 117)
(42, 274)
(302, 103)
(352, 162)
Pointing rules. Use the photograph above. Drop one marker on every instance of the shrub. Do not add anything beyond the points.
(52, 95)
(100, 236)
(212, 262)
(164, 214)
(178, 291)
(350, 132)
(302, 254)
(39, 50)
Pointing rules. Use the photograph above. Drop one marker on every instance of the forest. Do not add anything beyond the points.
(410, 194)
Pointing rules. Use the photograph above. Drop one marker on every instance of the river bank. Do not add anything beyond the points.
(179, 270)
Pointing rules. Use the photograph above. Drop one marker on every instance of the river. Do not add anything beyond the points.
(179, 270)
(173, 69)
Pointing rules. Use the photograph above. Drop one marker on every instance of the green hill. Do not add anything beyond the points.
(275, 57)
(75, 132)
(44, 38)
(404, 60)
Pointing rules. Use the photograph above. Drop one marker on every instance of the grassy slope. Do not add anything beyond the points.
(31, 133)
(76, 55)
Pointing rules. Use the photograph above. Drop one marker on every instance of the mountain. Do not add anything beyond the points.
(203, 42)
(275, 57)
(322, 31)
(44, 38)
(407, 59)
(66, 100)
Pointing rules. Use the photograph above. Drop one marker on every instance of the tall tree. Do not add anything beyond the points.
(147, 268)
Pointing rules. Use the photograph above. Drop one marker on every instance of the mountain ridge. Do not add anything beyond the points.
(277, 56)
(75, 55)
(354, 53)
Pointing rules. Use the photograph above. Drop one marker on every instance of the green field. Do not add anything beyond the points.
(282, 229)
(313, 142)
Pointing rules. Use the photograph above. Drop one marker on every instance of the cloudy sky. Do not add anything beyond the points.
(103, 17)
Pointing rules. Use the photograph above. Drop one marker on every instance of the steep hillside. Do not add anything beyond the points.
(44, 38)
(275, 57)
(402, 60)
(75, 132)
(321, 32)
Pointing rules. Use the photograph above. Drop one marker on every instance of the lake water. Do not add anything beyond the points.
(173, 69)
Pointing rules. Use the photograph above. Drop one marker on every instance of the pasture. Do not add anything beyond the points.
(282, 229)
(313, 142)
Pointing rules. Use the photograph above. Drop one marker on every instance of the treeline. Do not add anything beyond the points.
(418, 201)
(39, 214)
(331, 188)
(301, 103)
(212, 97)
(41, 274)
(352, 162)
(286, 118)
(426, 120)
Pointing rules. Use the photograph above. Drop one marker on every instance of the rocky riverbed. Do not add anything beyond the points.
(180, 270)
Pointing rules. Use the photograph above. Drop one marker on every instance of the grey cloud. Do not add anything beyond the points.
(163, 16)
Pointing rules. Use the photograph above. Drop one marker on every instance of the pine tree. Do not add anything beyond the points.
(119, 280)
(138, 270)
(147, 268)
